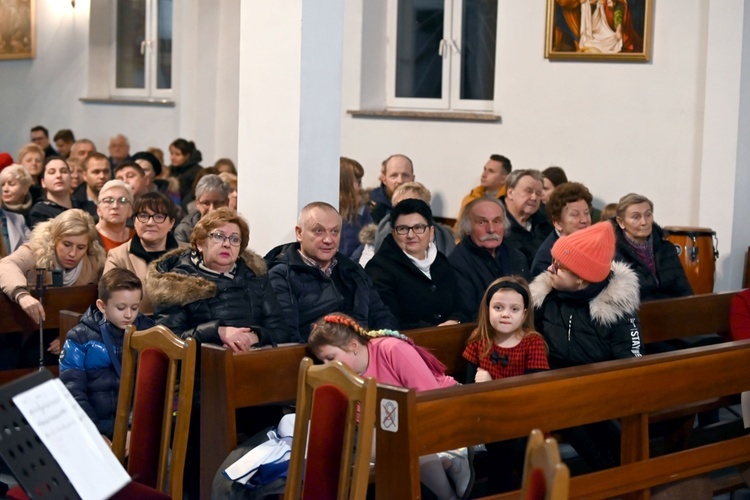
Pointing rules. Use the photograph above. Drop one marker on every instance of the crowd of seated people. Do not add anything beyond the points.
(382, 260)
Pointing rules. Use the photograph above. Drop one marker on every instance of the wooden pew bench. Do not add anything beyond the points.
(14, 320)
(411, 425)
(267, 376)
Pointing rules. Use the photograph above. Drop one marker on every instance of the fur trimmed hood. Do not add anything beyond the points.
(619, 297)
(367, 234)
(168, 288)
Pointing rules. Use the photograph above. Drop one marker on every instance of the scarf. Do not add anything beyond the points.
(70, 276)
(424, 264)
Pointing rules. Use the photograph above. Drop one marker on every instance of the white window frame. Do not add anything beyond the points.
(149, 48)
(451, 72)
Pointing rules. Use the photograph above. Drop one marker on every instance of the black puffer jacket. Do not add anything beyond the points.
(598, 323)
(194, 302)
(476, 268)
(186, 173)
(670, 279)
(306, 293)
(87, 371)
(528, 242)
(416, 300)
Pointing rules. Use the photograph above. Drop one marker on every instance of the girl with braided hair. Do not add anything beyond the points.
(392, 358)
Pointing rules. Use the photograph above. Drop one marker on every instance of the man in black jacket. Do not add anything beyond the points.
(481, 257)
(311, 278)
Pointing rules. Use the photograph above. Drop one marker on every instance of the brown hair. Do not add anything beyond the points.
(349, 196)
(567, 192)
(217, 218)
(117, 279)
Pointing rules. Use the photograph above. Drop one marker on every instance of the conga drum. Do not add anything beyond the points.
(697, 252)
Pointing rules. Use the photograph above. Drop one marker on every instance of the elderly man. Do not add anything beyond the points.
(492, 182)
(119, 150)
(311, 278)
(528, 223)
(210, 193)
(569, 209)
(396, 170)
(482, 256)
(81, 149)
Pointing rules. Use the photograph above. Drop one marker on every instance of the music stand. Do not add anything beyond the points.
(28, 458)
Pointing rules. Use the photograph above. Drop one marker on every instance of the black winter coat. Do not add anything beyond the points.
(670, 279)
(476, 269)
(598, 323)
(306, 293)
(528, 242)
(186, 173)
(194, 302)
(416, 300)
(87, 371)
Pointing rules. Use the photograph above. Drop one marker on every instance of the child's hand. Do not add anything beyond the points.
(54, 347)
(482, 375)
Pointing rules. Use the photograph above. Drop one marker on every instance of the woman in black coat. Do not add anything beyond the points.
(412, 277)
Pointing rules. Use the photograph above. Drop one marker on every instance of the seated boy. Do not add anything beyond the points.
(91, 357)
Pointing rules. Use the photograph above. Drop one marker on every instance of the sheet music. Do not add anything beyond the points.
(73, 440)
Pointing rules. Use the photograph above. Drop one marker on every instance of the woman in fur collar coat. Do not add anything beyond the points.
(586, 305)
(212, 293)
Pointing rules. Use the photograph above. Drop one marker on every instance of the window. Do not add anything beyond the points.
(142, 45)
(441, 54)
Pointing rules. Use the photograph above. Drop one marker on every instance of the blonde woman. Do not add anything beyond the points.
(15, 182)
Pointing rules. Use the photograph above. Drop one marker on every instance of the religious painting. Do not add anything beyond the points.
(17, 29)
(603, 30)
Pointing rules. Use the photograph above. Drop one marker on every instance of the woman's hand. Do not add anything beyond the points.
(32, 307)
(482, 375)
(449, 322)
(237, 339)
(54, 347)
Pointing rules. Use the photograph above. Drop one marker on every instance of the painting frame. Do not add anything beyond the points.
(17, 29)
(566, 26)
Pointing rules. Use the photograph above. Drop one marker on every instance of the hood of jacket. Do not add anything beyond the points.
(168, 288)
(368, 232)
(619, 297)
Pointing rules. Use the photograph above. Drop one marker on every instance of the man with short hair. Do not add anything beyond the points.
(40, 137)
(528, 223)
(64, 140)
(482, 256)
(492, 182)
(210, 193)
(132, 174)
(396, 170)
(311, 278)
(81, 149)
(119, 150)
(96, 173)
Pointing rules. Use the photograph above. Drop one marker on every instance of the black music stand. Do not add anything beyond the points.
(27, 457)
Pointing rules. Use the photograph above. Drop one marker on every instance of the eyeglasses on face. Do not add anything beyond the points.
(416, 228)
(144, 217)
(110, 200)
(220, 238)
(556, 266)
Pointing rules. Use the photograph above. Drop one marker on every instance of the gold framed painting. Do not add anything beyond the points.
(17, 29)
(599, 30)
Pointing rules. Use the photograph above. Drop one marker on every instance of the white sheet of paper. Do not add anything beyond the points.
(73, 440)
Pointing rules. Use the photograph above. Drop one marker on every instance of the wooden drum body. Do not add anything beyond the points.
(697, 253)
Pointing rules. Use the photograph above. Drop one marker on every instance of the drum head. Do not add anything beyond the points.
(692, 232)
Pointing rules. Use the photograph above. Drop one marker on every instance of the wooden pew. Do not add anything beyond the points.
(412, 425)
(265, 376)
(14, 320)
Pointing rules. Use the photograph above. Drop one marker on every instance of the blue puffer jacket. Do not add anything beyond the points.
(88, 373)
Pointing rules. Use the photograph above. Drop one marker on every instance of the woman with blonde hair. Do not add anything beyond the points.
(31, 157)
(354, 212)
(67, 244)
(15, 182)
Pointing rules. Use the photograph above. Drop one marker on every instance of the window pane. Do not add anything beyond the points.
(164, 46)
(478, 37)
(419, 66)
(131, 31)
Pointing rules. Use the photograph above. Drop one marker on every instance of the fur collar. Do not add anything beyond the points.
(621, 296)
(169, 288)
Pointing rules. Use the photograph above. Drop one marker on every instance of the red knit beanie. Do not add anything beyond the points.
(588, 253)
(5, 160)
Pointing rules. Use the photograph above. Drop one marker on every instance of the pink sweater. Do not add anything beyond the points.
(395, 362)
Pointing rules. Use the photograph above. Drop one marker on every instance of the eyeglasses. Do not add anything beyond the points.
(122, 200)
(219, 238)
(556, 266)
(145, 217)
(416, 228)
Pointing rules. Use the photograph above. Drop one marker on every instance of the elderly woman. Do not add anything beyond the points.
(67, 243)
(413, 278)
(231, 181)
(57, 198)
(114, 209)
(569, 209)
(154, 219)
(640, 243)
(15, 182)
(152, 169)
(210, 193)
(217, 291)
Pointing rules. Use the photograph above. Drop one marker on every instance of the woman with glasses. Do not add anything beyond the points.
(217, 291)
(114, 209)
(55, 179)
(154, 218)
(412, 277)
